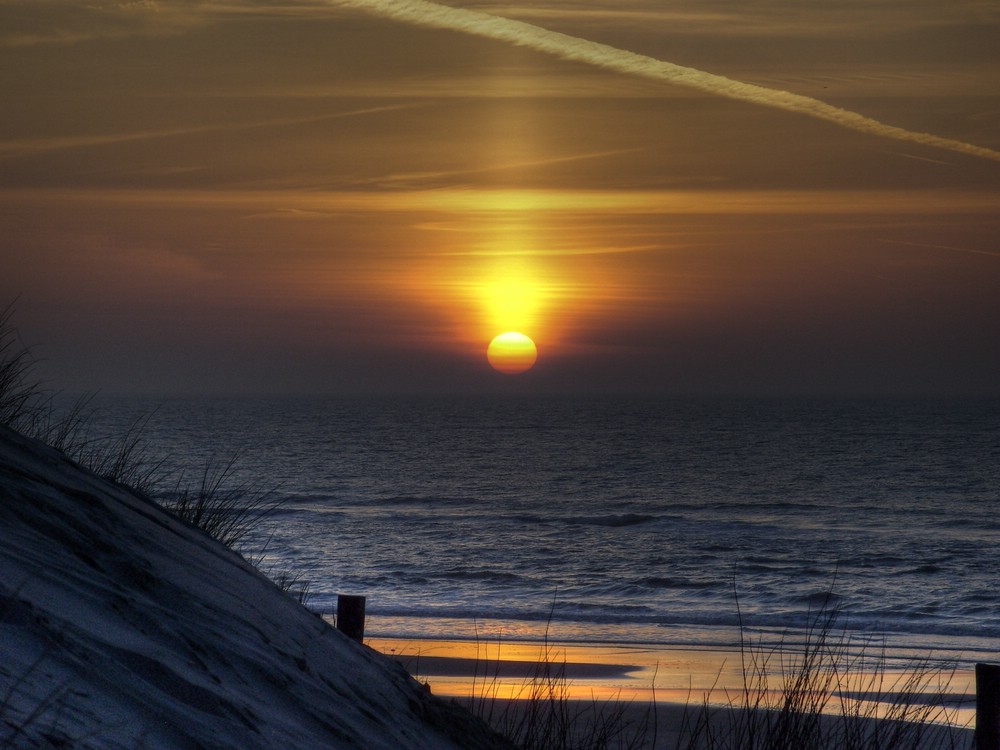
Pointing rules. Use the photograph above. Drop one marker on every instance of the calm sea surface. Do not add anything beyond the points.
(629, 520)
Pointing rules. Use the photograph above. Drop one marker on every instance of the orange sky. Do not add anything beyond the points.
(237, 196)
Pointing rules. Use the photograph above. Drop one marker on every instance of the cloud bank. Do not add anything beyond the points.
(576, 49)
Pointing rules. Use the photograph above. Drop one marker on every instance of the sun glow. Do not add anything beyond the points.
(511, 296)
(512, 353)
(494, 270)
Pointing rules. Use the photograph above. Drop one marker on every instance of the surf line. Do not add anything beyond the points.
(425, 13)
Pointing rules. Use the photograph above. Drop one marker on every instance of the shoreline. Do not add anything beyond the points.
(895, 646)
(673, 678)
(458, 667)
(652, 694)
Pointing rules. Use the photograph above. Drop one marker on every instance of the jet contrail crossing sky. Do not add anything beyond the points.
(573, 48)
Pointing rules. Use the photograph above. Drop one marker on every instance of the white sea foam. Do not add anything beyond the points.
(638, 515)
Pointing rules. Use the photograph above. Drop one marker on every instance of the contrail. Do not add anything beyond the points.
(424, 13)
(25, 146)
(950, 248)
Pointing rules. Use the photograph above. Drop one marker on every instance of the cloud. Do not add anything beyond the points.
(416, 180)
(949, 248)
(67, 22)
(498, 202)
(781, 18)
(601, 55)
(26, 146)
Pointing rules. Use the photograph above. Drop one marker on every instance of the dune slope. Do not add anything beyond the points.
(122, 627)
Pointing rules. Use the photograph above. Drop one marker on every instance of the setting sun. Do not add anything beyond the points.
(512, 353)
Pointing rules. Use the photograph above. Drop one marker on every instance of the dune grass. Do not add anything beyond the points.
(21, 396)
(28, 407)
(540, 715)
(825, 696)
(829, 690)
(820, 687)
(227, 510)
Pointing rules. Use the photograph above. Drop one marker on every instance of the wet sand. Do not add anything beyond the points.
(676, 682)
(643, 672)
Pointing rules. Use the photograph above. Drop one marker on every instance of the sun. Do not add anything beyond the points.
(512, 353)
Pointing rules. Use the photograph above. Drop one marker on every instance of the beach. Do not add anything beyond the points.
(122, 580)
(653, 690)
(634, 363)
(122, 626)
(637, 539)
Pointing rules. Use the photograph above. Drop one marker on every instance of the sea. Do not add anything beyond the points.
(613, 520)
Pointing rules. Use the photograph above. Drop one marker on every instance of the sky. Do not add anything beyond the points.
(671, 197)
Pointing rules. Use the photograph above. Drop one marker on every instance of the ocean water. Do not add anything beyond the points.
(617, 519)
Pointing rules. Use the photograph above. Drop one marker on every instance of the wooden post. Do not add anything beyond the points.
(987, 707)
(351, 616)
